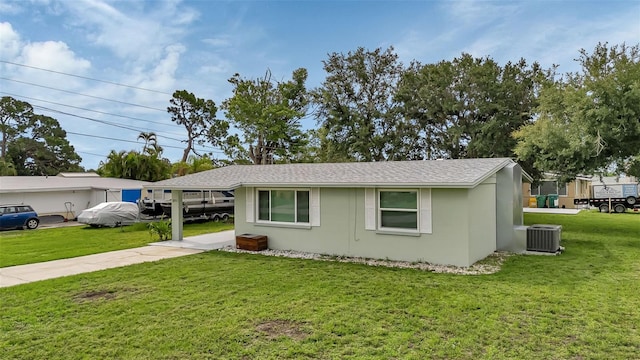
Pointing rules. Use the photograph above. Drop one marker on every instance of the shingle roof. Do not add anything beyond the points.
(60, 183)
(464, 173)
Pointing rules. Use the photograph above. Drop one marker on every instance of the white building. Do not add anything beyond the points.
(67, 194)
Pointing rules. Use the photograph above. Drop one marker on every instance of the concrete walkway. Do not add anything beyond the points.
(22, 274)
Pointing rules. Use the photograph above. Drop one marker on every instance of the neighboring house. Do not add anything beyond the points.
(67, 194)
(576, 189)
(580, 188)
(444, 212)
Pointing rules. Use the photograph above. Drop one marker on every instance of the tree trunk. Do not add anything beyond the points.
(186, 152)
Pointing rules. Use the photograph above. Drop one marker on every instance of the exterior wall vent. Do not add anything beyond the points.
(544, 238)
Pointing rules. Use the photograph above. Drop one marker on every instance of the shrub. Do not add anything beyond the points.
(161, 228)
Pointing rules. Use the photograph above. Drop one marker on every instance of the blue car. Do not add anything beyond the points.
(18, 217)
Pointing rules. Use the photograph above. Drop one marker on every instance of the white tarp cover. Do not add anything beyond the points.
(110, 214)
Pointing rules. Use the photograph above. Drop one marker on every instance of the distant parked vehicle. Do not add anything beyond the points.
(110, 214)
(617, 197)
(18, 217)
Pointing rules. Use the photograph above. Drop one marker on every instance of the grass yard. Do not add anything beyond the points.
(584, 304)
(26, 247)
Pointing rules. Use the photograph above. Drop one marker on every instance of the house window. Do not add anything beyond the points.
(398, 209)
(287, 206)
(549, 187)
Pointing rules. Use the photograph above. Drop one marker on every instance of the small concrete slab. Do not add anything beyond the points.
(205, 242)
(552, 211)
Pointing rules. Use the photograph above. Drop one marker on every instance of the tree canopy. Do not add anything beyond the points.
(468, 107)
(370, 107)
(356, 108)
(589, 121)
(267, 114)
(198, 116)
(33, 144)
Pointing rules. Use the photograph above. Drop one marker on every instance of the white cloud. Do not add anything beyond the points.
(508, 31)
(161, 77)
(475, 14)
(53, 55)
(9, 41)
(50, 55)
(462, 21)
(136, 35)
(220, 41)
(10, 8)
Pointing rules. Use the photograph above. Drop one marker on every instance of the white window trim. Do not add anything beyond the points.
(425, 214)
(370, 209)
(314, 207)
(250, 204)
(295, 205)
(379, 210)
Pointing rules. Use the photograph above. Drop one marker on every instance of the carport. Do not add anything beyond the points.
(200, 181)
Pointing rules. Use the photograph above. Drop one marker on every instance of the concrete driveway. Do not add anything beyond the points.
(22, 274)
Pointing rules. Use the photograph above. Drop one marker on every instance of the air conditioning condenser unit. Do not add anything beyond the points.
(544, 238)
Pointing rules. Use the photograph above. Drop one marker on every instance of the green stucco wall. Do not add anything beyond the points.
(463, 228)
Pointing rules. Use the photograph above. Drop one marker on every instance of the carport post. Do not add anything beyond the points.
(176, 215)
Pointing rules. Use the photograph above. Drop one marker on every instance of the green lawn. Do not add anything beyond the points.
(584, 304)
(25, 247)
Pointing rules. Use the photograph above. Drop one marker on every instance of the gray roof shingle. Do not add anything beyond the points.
(463, 173)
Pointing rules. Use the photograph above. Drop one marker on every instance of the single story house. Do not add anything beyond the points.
(443, 211)
(67, 194)
(579, 188)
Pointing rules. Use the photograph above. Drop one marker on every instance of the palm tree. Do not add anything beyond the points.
(198, 164)
(150, 141)
(193, 165)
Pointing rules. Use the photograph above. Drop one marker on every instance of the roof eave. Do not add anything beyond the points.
(492, 172)
(313, 184)
(31, 190)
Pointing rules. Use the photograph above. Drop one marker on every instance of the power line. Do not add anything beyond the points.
(134, 142)
(81, 94)
(99, 121)
(88, 153)
(85, 77)
(91, 110)
(205, 148)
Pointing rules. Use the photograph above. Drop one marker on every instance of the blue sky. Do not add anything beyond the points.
(197, 45)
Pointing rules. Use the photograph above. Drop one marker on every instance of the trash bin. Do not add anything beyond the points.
(533, 202)
(541, 200)
(553, 200)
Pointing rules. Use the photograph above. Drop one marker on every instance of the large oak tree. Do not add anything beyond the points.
(33, 144)
(356, 109)
(468, 107)
(589, 121)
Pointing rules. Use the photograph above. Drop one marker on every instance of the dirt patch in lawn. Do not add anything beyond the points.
(95, 295)
(277, 328)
